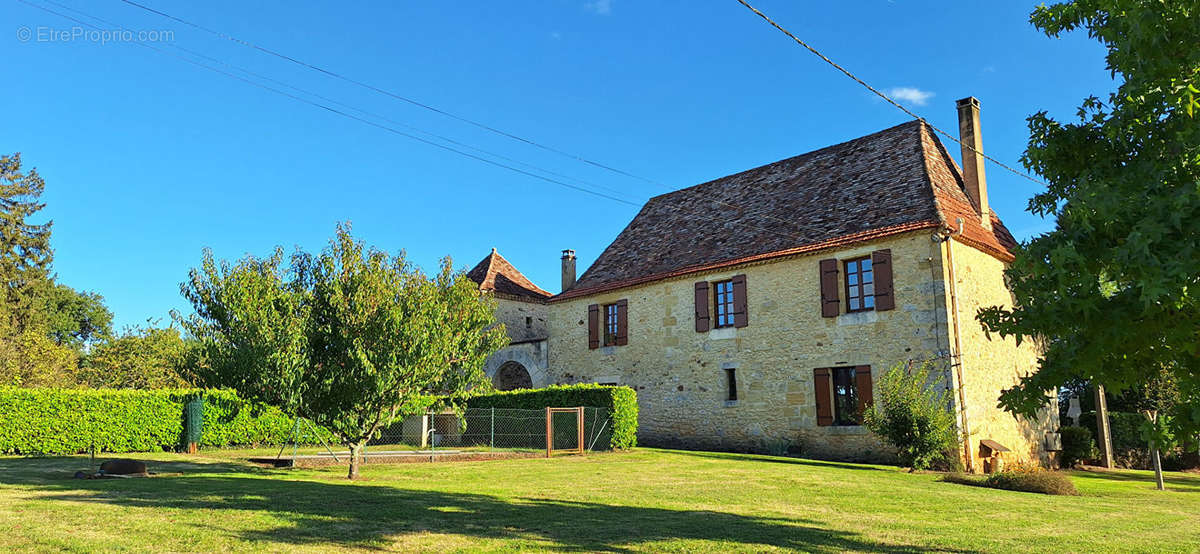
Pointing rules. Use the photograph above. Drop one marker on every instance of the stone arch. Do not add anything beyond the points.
(512, 375)
(518, 354)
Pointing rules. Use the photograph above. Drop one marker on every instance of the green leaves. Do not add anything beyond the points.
(1112, 290)
(911, 414)
(351, 337)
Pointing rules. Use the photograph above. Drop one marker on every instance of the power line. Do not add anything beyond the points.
(343, 113)
(384, 127)
(880, 94)
(434, 109)
(400, 97)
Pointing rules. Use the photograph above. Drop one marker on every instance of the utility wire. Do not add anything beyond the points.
(348, 115)
(880, 94)
(280, 55)
(384, 127)
(356, 118)
(402, 98)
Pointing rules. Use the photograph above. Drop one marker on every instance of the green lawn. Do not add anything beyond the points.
(643, 500)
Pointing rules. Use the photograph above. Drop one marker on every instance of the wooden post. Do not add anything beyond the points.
(1103, 433)
(580, 427)
(549, 433)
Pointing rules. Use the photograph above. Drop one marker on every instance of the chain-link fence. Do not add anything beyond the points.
(498, 428)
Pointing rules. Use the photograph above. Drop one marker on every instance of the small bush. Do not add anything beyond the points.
(911, 415)
(1044, 482)
(1078, 446)
(620, 401)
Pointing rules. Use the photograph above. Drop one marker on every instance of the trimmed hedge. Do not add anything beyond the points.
(71, 421)
(620, 401)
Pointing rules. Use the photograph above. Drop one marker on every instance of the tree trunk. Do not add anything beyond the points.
(355, 459)
(1158, 476)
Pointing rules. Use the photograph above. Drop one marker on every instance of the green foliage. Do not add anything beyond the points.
(910, 414)
(1078, 446)
(78, 320)
(1112, 289)
(25, 253)
(621, 402)
(30, 358)
(351, 338)
(71, 421)
(141, 358)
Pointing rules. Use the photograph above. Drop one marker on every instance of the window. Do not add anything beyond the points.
(611, 324)
(860, 285)
(845, 397)
(731, 384)
(528, 322)
(723, 303)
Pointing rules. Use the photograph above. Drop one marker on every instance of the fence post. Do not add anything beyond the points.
(549, 439)
(492, 441)
(579, 426)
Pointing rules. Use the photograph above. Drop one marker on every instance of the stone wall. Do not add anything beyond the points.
(991, 365)
(526, 323)
(679, 373)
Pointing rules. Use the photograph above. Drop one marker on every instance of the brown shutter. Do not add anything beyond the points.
(594, 326)
(740, 318)
(881, 265)
(862, 382)
(702, 306)
(622, 322)
(830, 304)
(824, 388)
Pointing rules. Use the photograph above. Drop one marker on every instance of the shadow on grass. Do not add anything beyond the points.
(1174, 481)
(368, 515)
(781, 460)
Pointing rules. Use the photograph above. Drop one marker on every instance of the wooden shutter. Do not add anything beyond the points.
(881, 265)
(740, 317)
(862, 382)
(594, 326)
(824, 388)
(622, 322)
(702, 306)
(830, 304)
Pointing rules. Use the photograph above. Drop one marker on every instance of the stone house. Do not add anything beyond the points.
(758, 310)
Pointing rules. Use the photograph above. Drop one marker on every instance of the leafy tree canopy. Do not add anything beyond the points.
(141, 358)
(79, 320)
(1112, 291)
(350, 338)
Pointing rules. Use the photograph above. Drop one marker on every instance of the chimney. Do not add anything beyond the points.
(972, 157)
(568, 269)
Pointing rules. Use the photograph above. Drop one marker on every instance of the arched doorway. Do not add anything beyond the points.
(512, 375)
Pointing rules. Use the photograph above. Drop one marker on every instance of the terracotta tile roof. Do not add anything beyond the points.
(893, 181)
(496, 274)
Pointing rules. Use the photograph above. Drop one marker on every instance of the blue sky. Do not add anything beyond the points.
(148, 159)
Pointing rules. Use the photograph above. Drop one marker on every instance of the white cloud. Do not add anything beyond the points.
(910, 95)
(599, 7)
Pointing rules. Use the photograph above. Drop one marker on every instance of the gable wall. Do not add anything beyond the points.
(679, 373)
(993, 364)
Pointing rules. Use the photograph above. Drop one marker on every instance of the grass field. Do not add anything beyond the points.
(643, 500)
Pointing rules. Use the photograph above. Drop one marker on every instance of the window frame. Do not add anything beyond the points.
(610, 327)
(717, 314)
(862, 297)
(731, 394)
(840, 417)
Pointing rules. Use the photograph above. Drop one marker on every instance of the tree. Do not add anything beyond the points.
(141, 358)
(25, 253)
(912, 415)
(78, 320)
(350, 338)
(1113, 292)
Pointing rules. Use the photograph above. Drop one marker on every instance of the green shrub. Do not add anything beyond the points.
(620, 401)
(911, 415)
(1077, 446)
(1044, 482)
(44, 421)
